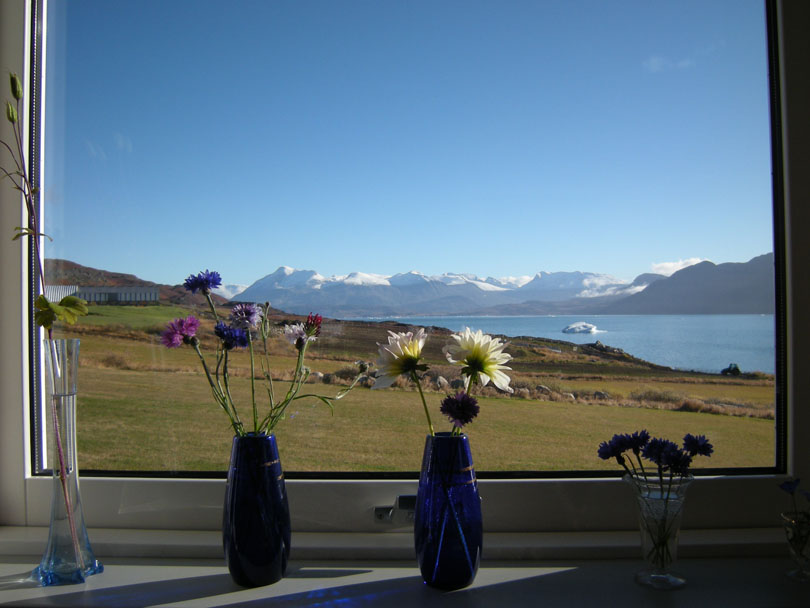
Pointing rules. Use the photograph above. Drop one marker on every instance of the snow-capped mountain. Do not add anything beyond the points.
(414, 293)
(229, 291)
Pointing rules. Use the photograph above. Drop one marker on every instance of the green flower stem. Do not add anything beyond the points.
(415, 378)
(28, 192)
(219, 397)
(661, 477)
(641, 466)
(253, 384)
(277, 411)
(211, 306)
(225, 391)
(226, 377)
(265, 332)
(60, 451)
(24, 186)
(468, 384)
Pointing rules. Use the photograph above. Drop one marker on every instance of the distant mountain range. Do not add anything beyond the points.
(704, 288)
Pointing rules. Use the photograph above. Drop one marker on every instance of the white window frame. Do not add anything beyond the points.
(527, 505)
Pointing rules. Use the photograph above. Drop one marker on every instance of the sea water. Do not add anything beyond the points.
(706, 343)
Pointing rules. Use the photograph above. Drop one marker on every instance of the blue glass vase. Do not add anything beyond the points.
(256, 519)
(448, 530)
(68, 556)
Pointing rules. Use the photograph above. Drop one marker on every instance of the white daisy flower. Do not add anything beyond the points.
(400, 356)
(482, 357)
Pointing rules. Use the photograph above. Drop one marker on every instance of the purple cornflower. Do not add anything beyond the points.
(180, 331)
(203, 281)
(232, 337)
(246, 316)
(460, 408)
(697, 445)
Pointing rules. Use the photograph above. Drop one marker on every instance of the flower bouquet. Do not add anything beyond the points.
(256, 516)
(247, 324)
(660, 494)
(797, 530)
(448, 529)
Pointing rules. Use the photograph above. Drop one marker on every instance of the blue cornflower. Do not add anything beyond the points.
(638, 440)
(656, 448)
(606, 450)
(203, 281)
(614, 448)
(697, 445)
(676, 460)
(232, 337)
(621, 443)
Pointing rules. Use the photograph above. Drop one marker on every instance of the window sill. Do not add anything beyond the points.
(387, 546)
(201, 583)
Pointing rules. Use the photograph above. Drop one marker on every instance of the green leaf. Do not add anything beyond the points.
(69, 309)
(45, 314)
(21, 232)
(72, 308)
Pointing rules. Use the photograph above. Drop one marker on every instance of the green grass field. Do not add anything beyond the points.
(145, 407)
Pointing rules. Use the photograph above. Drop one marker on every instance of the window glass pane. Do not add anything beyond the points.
(590, 181)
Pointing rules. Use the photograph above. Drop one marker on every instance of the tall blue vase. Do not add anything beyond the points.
(256, 518)
(448, 531)
(68, 556)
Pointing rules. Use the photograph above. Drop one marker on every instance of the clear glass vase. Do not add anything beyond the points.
(68, 556)
(797, 532)
(660, 508)
(448, 531)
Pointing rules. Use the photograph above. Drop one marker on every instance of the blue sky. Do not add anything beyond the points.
(494, 138)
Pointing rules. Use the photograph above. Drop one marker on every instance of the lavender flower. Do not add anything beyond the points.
(460, 408)
(246, 316)
(697, 445)
(232, 337)
(180, 331)
(203, 282)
